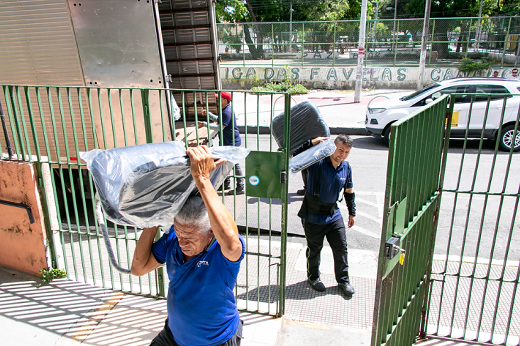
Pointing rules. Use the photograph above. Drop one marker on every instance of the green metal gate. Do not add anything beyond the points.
(50, 126)
(474, 295)
(412, 200)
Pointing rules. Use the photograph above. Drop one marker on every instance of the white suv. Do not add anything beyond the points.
(471, 94)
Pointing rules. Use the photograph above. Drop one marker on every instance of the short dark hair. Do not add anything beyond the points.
(514, 70)
(345, 139)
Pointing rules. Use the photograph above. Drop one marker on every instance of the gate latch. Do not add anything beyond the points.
(283, 177)
(392, 247)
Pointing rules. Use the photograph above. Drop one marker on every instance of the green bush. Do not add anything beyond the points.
(282, 87)
(469, 66)
(49, 274)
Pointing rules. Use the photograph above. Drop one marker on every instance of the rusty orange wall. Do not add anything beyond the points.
(22, 244)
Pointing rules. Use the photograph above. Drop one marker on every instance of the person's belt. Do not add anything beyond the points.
(312, 204)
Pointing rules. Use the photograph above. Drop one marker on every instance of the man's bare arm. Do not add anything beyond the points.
(144, 261)
(222, 224)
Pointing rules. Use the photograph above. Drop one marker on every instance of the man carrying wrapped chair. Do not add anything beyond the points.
(202, 252)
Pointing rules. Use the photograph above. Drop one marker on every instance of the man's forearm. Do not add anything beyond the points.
(143, 251)
(222, 223)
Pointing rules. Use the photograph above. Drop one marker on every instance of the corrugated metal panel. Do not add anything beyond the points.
(38, 44)
(39, 48)
(188, 33)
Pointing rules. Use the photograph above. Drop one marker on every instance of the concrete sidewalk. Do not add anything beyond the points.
(67, 313)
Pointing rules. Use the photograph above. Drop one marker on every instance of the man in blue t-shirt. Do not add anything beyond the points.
(202, 252)
(328, 179)
(230, 136)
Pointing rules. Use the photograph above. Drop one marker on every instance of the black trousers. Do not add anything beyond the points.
(336, 236)
(240, 181)
(165, 337)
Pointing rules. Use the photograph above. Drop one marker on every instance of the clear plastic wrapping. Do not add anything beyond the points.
(306, 123)
(312, 155)
(146, 185)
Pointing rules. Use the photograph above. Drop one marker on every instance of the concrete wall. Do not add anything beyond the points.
(22, 244)
(340, 77)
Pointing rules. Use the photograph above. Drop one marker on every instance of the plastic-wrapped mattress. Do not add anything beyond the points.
(311, 155)
(306, 123)
(146, 185)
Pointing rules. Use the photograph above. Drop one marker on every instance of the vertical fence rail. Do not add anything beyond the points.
(51, 125)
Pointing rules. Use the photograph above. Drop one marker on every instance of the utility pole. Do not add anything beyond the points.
(290, 29)
(479, 30)
(361, 52)
(424, 38)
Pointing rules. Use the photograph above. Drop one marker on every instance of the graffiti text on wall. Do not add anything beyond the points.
(337, 74)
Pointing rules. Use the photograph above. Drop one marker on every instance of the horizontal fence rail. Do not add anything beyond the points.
(51, 125)
(393, 42)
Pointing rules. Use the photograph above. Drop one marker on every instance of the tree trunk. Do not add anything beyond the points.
(258, 50)
(255, 50)
(441, 47)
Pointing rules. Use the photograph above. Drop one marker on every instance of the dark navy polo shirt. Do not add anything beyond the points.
(230, 123)
(332, 184)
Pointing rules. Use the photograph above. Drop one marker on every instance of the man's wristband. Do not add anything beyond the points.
(350, 200)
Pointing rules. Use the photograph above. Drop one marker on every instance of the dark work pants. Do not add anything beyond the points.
(240, 181)
(335, 234)
(165, 337)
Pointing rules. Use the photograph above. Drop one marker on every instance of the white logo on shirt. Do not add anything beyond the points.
(202, 263)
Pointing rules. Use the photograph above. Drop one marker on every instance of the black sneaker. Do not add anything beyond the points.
(347, 289)
(300, 192)
(317, 285)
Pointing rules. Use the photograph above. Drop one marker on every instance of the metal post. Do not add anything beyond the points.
(426, 27)
(6, 135)
(361, 51)
(290, 28)
(505, 42)
(393, 32)
(479, 27)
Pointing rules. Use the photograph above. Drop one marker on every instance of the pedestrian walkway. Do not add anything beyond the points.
(67, 313)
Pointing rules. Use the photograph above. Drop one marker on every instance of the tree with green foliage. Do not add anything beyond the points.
(274, 11)
(450, 9)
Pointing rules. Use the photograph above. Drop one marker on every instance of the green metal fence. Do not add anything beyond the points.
(474, 293)
(412, 200)
(51, 125)
(388, 41)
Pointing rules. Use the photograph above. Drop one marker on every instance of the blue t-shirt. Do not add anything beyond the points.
(230, 123)
(201, 301)
(332, 184)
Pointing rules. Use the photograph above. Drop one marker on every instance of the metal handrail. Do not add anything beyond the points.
(20, 205)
